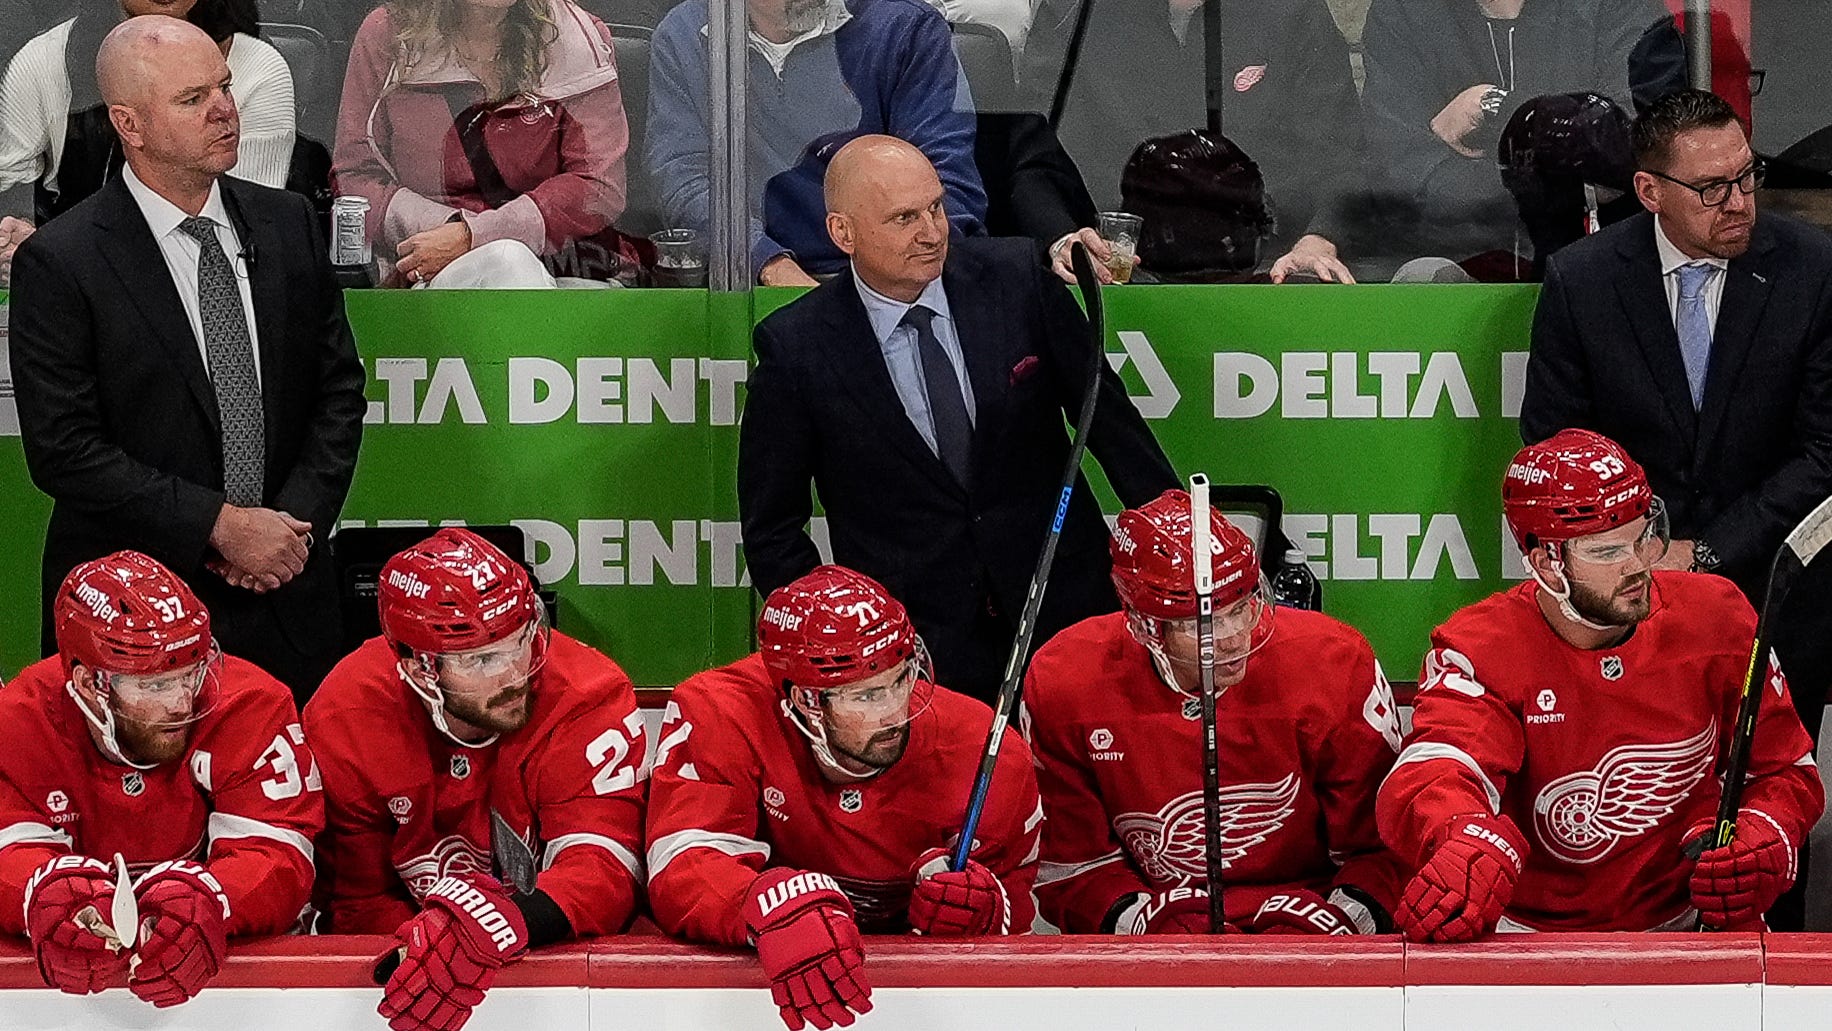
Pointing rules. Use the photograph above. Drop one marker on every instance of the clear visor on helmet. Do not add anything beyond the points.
(169, 700)
(1623, 546)
(1241, 629)
(494, 666)
(885, 701)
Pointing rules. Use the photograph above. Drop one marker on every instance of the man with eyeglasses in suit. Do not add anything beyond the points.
(1699, 335)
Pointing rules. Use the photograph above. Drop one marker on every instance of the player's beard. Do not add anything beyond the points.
(1622, 607)
(504, 712)
(880, 752)
(153, 742)
(803, 16)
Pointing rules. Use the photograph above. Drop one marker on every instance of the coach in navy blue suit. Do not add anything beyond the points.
(923, 394)
(1699, 335)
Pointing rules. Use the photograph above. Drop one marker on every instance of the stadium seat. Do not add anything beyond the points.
(641, 215)
(985, 56)
(306, 50)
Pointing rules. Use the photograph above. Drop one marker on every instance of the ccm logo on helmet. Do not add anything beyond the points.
(1621, 496)
(1528, 473)
(97, 601)
(781, 618)
(480, 909)
(409, 583)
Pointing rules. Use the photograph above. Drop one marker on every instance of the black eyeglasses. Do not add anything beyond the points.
(1715, 193)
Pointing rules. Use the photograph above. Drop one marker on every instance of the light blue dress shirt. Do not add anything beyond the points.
(904, 362)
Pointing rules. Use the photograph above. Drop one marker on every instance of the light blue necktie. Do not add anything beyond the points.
(1694, 325)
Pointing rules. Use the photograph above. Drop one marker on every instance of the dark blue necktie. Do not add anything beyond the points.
(947, 408)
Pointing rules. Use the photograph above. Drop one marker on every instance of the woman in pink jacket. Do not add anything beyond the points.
(488, 137)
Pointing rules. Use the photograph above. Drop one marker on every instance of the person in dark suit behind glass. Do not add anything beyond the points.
(1699, 335)
(186, 380)
(923, 395)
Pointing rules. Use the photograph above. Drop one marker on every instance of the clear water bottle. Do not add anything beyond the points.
(1295, 586)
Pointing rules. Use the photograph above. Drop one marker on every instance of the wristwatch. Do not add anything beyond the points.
(1704, 559)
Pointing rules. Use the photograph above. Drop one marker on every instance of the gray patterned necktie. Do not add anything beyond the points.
(230, 354)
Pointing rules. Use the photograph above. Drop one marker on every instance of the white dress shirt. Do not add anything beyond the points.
(898, 342)
(181, 253)
(1671, 258)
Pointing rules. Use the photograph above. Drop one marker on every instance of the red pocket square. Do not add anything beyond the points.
(1025, 369)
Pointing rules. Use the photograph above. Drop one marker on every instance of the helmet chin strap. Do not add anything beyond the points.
(817, 738)
(434, 701)
(105, 723)
(1564, 597)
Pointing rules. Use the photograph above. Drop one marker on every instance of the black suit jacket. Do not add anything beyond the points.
(1743, 470)
(119, 419)
(821, 409)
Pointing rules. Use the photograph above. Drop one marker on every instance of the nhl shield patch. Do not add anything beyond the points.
(1612, 667)
(852, 800)
(461, 766)
(133, 784)
(1192, 708)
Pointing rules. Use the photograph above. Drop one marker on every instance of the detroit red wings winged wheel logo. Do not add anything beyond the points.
(450, 855)
(1167, 844)
(1581, 816)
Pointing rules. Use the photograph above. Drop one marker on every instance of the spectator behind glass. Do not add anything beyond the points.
(1431, 63)
(488, 137)
(820, 73)
(54, 129)
(1290, 104)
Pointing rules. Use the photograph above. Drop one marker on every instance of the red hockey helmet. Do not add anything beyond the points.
(127, 614)
(831, 628)
(1573, 484)
(1152, 559)
(452, 592)
(135, 626)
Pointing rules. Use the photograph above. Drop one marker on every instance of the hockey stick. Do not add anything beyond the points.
(1801, 547)
(1200, 545)
(1083, 263)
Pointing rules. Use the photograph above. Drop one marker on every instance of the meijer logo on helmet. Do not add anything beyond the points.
(781, 618)
(408, 582)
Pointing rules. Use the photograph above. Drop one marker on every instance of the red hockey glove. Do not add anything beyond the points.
(184, 917)
(809, 947)
(1300, 911)
(968, 903)
(1177, 911)
(1734, 885)
(467, 929)
(63, 900)
(1460, 892)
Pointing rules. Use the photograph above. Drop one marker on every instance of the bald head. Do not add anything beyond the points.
(885, 210)
(167, 89)
(865, 165)
(132, 54)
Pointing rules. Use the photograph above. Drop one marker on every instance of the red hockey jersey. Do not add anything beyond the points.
(737, 790)
(1603, 759)
(406, 805)
(1303, 739)
(244, 799)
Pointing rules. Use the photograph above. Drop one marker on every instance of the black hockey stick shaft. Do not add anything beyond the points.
(1083, 263)
(1200, 549)
(1802, 545)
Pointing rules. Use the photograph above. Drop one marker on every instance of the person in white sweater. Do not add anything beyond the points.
(38, 102)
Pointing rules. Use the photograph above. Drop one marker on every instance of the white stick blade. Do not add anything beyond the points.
(1201, 544)
(1813, 533)
(126, 909)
